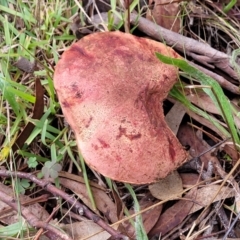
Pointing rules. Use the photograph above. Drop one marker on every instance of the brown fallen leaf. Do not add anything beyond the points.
(189, 179)
(188, 136)
(231, 151)
(103, 203)
(203, 101)
(165, 13)
(174, 215)
(205, 195)
(209, 193)
(25, 65)
(202, 120)
(119, 204)
(150, 217)
(12, 216)
(174, 116)
(85, 230)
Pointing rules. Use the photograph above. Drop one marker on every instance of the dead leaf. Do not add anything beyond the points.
(119, 204)
(12, 216)
(187, 136)
(174, 215)
(189, 179)
(25, 65)
(165, 13)
(104, 204)
(202, 120)
(169, 187)
(203, 101)
(85, 230)
(205, 195)
(231, 151)
(174, 116)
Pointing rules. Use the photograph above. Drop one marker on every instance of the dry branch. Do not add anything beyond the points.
(52, 232)
(201, 52)
(80, 208)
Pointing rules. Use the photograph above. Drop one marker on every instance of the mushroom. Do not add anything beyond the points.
(111, 88)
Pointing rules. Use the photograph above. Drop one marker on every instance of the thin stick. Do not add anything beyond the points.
(80, 208)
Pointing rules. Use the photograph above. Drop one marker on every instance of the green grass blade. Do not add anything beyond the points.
(139, 227)
(176, 94)
(215, 91)
(23, 15)
(8, 95)
(85, 177)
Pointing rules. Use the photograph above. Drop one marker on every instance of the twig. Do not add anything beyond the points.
(199, 51)
(206, 175)
(230, 229)
(80, 208)
(221, 80)
(224, 219)
(189, 46)
(218, 208)
(42, 198)
(52, 232)
(40, 231)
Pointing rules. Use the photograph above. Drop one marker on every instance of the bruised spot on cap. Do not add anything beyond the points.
(103, 143)
(81, 52)
(130, 136)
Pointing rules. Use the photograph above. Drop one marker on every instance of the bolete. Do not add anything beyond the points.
(111, 88)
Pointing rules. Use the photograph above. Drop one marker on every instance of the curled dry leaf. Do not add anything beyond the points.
(111, 87)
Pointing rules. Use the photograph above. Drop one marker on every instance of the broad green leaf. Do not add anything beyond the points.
(32, 162)
(13, 229)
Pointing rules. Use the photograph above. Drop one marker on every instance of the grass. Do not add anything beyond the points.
(39, 39)
(40, 33)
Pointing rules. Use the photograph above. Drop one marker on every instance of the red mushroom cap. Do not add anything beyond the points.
(111, 87)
